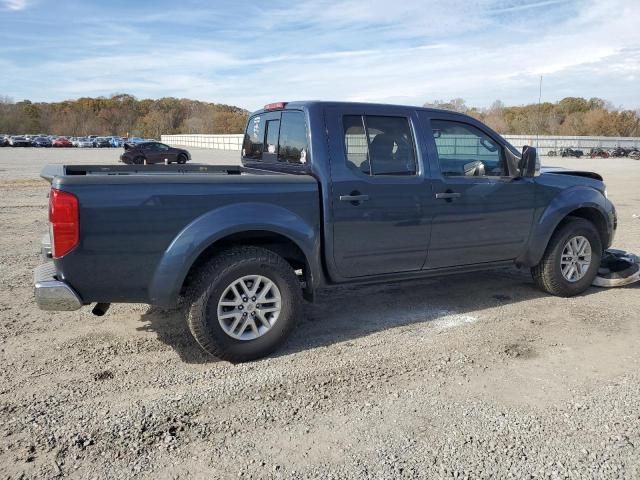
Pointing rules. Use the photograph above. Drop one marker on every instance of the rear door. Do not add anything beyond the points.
(482, 211)
(378, 192)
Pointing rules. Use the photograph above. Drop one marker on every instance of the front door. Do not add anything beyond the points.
(164, 154)
(153, 153)
(482, 210)
(378, 193)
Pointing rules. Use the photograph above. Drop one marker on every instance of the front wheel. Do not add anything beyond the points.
(182, 159)
(571, 260)
(244, 304)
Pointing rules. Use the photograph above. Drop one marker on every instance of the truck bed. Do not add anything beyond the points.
(131, 215)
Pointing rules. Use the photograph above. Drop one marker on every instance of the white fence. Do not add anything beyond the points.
(219, 142)
(543, 142)
(546, 143)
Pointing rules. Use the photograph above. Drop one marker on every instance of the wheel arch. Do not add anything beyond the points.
(581, 202)
(593, 215)
(283, 232)
(278, 243)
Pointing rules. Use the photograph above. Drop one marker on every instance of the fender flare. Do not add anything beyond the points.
(217, 224)
(562, 205)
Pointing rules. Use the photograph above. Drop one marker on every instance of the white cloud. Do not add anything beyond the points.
(15, 5)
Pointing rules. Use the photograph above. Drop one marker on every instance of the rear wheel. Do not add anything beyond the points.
(138, 160)
(571, 260)
(244, 304)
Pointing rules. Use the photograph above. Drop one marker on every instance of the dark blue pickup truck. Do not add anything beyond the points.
(328, 193)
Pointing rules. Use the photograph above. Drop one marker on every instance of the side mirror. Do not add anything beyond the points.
(529, 165)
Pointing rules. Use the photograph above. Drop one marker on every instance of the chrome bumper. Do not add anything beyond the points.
(51, 293)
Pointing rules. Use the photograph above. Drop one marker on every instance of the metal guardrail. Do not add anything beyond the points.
(544, 143)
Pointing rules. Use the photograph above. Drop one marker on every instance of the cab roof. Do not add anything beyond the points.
(306, 104)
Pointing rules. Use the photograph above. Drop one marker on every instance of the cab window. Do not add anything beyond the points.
(466, 151)
(276, 137)
(253, 143)
(379, 145)
(293, 138)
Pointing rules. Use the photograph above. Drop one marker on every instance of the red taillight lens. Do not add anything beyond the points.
(275, 106)
(63, 215)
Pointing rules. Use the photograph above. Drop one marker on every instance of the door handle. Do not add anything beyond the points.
(354, 198)
(448, 195)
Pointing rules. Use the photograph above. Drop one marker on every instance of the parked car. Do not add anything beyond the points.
(61, 142)
(135, 140)
(101, 142)
(19, 141)
(116, 142)
(153, 152)
(41, 142)
(84, 142)
(330, 193)
(4, 140)
(570, 152)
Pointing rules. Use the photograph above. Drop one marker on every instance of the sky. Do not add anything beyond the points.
(251, 53)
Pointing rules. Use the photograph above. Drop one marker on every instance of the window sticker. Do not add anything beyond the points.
(256, 127)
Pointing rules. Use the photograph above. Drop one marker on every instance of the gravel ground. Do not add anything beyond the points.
(468, 376)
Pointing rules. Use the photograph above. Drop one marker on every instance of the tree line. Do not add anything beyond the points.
(121, 115)
(125, 115)
(569, 116)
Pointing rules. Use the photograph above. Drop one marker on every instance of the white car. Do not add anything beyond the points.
(84, 142)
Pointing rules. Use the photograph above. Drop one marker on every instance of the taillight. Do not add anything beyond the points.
(63, 215)
(275, 106)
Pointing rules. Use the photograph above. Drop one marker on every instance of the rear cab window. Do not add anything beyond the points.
(276, 139)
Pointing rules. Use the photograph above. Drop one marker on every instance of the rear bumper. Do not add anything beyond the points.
(51, 293)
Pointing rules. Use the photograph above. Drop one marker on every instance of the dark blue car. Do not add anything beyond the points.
(41, 142)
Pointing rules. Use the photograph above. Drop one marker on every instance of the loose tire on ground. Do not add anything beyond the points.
(213, 279)
(548, 273)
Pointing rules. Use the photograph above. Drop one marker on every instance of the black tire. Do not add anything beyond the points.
(208, 286)
(548, 273)
(138, 160)
(182, 159)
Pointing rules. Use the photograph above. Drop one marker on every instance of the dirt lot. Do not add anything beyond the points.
(476, 376)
